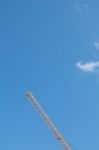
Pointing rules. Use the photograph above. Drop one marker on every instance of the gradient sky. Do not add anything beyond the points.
(51, 48)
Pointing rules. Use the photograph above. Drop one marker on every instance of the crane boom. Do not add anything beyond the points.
(47, 120)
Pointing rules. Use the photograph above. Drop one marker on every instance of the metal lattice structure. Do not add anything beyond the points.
(48, 121)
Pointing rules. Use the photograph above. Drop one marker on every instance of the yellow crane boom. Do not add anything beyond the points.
(47, 120)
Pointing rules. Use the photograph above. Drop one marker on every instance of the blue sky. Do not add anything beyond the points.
(51, 48)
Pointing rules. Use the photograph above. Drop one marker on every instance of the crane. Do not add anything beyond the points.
(47, 120)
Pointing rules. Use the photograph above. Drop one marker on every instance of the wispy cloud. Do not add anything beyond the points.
(81, 7)
(96, 45)
(88, 66)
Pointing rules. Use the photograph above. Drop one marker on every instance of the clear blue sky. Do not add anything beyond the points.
(52, 48)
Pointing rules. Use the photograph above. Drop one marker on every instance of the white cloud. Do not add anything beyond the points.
(81, 7)
(89, 66)
(96, 44)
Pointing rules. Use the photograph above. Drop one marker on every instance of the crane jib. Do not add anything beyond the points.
(48, 121)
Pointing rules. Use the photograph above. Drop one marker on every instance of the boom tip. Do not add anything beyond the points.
(28, 94)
